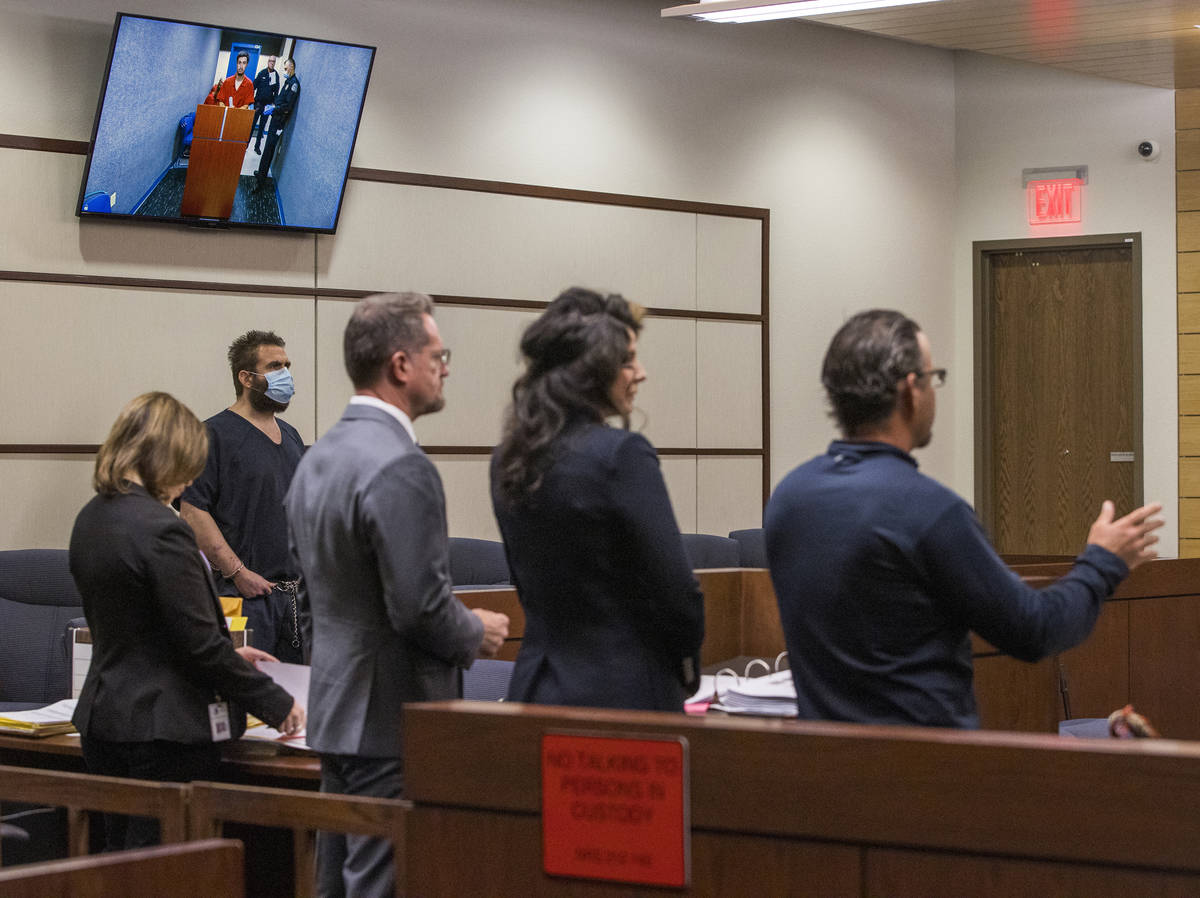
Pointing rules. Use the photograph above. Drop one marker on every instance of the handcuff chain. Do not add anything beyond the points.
(292, 587)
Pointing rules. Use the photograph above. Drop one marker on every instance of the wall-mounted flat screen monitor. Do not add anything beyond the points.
(222, 126)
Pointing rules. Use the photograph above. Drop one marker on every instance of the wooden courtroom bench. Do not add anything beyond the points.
(198, 811)
(214, 804)
(212, 867)
(80, 793)
(821, 809)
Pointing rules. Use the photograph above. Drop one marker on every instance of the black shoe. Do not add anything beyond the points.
(257, 151)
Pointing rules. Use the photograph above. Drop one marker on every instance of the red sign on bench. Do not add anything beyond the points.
(616, 809)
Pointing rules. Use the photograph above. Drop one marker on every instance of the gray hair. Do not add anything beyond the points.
(380, 326)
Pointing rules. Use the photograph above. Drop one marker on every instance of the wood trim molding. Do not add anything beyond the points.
(43, 144)
(308, 293)
(555, 193)
(1187, 179)
(101, 280)
(764, 310)
(93, 448)
(418, 179)
(49, 448)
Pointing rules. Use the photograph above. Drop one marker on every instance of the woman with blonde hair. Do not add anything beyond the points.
(159, 695)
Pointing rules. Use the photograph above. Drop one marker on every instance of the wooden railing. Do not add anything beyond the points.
(80, 793)
(192, 811)
(210, 867)
(304, 813)
(821, 809)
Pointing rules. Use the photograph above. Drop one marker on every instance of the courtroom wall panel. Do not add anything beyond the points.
(729, 384)
(74, 355)
(667, 402)
(482, 370)
(145, 307)
(332, 388)
(52, 50)
(486, 361)
(469, 243)
(679, 473)
(728, 264)
(50, 239)
(42, 495)
(727, 497)
(469, 502)
(468, 497)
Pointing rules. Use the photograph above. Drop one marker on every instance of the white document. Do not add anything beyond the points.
(706, 692)
(59, 712)
(293, 678)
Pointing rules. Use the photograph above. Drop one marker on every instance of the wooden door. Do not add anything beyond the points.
(1061, 377)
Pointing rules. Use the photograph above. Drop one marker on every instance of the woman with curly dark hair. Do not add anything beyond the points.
(613, 616)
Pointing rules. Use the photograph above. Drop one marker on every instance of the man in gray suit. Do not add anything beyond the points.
(367, 526)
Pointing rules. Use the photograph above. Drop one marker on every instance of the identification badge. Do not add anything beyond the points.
(218, 720)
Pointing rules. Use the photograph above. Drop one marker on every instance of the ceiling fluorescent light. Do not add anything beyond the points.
(758, 11)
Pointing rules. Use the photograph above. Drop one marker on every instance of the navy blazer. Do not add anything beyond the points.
(613, 616)
(160, 649)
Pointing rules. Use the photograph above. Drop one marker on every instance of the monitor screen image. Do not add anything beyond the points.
(217, 126)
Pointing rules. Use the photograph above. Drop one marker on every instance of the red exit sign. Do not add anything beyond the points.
(1053, 202)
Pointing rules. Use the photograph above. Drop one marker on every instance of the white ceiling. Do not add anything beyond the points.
(1151, 42)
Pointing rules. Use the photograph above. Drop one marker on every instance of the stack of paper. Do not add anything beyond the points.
(48, 721)
(699, 703)
(293, 678)
(773, 695)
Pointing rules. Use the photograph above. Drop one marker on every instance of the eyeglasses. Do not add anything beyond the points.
(442, 356)
(938, 376)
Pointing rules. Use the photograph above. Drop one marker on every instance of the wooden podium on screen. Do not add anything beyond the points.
(219, 139)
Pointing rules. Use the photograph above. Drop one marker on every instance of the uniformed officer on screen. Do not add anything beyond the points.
(266, 90)
(280, 112)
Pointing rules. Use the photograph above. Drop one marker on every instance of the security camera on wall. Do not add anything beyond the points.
(1149, 149)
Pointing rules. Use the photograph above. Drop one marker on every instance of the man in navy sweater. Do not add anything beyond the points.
(881, 572)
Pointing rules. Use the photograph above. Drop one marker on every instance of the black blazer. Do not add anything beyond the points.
(613, 616)
(160, 649)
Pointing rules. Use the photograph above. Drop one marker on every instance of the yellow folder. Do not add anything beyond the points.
(231, 606)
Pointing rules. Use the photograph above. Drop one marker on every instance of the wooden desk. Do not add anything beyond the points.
(1144, 645)
(243, 762)
(741, 617)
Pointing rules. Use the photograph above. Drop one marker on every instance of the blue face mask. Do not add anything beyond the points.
(279, 385)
